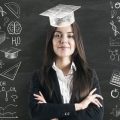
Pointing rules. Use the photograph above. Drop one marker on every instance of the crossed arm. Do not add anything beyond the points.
(91, 98)
(90, 107)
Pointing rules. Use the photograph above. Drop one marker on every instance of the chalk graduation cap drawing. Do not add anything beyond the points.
(61, 15)
(11, 52)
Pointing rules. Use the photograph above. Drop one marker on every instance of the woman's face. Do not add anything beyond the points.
(63, 42)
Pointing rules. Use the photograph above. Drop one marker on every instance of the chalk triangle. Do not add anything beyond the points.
(11, 72)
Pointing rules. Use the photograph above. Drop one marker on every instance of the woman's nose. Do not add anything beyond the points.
(64, 39)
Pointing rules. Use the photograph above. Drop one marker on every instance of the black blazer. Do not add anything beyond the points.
(54, 108)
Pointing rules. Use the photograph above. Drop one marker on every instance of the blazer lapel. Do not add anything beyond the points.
(56, 86)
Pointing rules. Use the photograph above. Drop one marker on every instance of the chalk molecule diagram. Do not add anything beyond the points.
(6, 92)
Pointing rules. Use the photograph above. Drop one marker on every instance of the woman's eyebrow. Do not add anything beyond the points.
(61, 32)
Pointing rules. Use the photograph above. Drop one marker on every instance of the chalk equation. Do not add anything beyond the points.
(16, 41)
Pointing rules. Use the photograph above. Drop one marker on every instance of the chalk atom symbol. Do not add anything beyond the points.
(11, 72)
(14, 8)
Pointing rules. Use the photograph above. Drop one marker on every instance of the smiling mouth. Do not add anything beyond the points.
(63, 47)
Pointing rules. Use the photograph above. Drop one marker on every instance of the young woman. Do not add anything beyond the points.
(66, 88)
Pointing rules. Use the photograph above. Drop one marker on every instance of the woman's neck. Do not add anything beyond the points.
(63, 64)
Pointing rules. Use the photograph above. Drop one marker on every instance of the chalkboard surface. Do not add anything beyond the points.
(22, 35)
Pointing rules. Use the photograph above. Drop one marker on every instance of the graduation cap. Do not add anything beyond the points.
(61, 15)
(11, 53)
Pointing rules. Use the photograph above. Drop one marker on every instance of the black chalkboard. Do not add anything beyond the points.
(23, 31)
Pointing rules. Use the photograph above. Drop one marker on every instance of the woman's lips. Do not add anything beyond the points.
(63, 47)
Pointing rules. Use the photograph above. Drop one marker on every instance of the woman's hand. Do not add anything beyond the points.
(91, 98)
(40, 98)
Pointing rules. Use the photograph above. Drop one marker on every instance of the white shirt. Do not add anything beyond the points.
(65, 82)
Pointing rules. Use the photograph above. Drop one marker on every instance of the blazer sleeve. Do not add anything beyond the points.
(92, 112)
(45, 111)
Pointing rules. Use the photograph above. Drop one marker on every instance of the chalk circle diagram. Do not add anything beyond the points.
(11, 53)
(11, 72)
(5, 112)
(14, 28)
(115, 93)
(14, 8)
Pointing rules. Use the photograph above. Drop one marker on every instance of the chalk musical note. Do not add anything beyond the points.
(2, 11)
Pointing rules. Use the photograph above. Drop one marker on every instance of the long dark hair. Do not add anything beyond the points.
(81, 77)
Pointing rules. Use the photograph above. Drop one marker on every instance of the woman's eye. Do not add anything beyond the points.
(70, 36)
(57, 35)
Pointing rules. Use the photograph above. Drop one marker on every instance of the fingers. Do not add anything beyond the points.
(96, 102)
(94, 98)
(98, 96)
(40, 98)
(35, 95)
(92, 91)
(40, 102)
(41, 94)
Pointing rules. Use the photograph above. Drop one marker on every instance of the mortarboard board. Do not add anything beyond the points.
(61, 15)
(11, 53)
